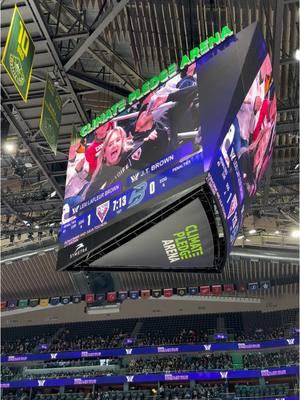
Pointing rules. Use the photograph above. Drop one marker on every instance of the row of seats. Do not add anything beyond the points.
(261, 390)
(179, 329)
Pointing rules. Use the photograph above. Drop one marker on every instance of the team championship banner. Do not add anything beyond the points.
(115, 297)
(191, 348)
(142, 378)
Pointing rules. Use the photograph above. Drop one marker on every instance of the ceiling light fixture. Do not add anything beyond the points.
(295, 233)
(252, 231)
(9, 147)
(297, 54)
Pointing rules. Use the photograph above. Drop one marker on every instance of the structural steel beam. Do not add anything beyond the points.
(288, 60)
(12, 210)
(32, 150)
(288, 109)
(101, 43)
(109, 67)
(94, 83)
(38, 16)
(105, 19)
(58, 38)
(294, 220)
(287, 127)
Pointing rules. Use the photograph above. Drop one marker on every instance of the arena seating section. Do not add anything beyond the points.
(176, 329)
(154, 331)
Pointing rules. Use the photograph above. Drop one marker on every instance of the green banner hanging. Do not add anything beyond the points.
(18, 54)
(51, 114)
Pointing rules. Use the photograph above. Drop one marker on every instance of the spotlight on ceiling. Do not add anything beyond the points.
(277, 232)
(297, 54)
(252, 231)
(10, 147)
(295, 233)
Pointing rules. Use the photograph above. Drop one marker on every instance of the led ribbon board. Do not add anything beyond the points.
(188, 348)
(144, 378)
(146, 187)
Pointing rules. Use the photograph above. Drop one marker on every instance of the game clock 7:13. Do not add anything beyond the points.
(119, 203)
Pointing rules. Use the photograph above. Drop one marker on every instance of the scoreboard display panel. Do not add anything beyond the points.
(165, 184)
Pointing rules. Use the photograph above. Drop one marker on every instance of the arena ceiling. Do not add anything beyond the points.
(96, 51)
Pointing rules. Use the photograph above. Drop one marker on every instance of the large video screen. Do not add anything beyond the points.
(245, 152)
(153, 147)
(207, 132)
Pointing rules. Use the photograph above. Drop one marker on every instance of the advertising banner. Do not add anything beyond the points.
(18, 54)
(180, 376)
(119, 352)
(182, 239)
(51, 114)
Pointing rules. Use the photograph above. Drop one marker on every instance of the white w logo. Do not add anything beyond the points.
(41, 383)
(224, 375)
(134, 177)
(207, 347)
(75, 209)
(291, 341)
(53, 355)
(128, 351)
(130, 378)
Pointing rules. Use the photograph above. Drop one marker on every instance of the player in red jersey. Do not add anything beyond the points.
(93, 151)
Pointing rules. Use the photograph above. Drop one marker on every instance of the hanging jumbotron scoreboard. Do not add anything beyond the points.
(161, 180)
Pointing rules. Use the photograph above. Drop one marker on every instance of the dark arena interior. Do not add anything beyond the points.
(149, 199)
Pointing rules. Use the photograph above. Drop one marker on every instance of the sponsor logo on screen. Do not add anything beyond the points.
(128, 351)
(79, 249)
(41, 382)
(184, 245)
(167, 349)
(53, 356)
(90, 354)
(4, 385)
(129, 378)
(137, 195)
(249, 346)
(102, 210)
(267, 372)
(233, 206)
(170, 377)
(290, 341)
(79, 381)
(224, 374)
(207, 347)
(16, 358)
